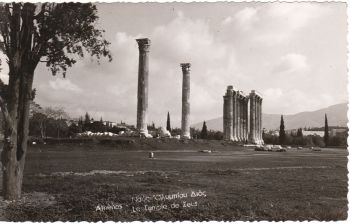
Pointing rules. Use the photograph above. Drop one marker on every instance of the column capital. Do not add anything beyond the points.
(229, 91)
(185, 67)
(144, 44)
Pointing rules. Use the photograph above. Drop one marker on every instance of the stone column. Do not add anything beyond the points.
(238, 116)
(261, 123)
(241, 118)
(247, 116)
(230, 112)
(185, 121)
(258, 119)
(225, 118)
(245, 128)
(234, 115)
(252, 132)
(142, 90)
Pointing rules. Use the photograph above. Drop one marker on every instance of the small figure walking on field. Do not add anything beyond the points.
(151, 155)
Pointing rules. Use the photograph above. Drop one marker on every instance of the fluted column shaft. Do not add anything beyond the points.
(142, 90)
(239, 118)
(225, 119)
(257, 120)
(245, 119)
(252, 131)
(261, 124)
(242, 119)
(185, 121)
(235, 116)
(230, 113)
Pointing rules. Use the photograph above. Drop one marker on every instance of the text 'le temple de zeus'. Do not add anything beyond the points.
(142, 92)
(242, 116)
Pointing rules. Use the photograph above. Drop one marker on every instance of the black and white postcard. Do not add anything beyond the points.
(173, 111)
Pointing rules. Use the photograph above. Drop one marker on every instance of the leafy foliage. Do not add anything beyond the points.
(211, 135)
(51, 33)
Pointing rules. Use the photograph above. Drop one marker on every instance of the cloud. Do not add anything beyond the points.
(296, 16)
(281, 22)
(64, 85)
(228, 20)
(246, 17)
(291, 63)
(275, 93)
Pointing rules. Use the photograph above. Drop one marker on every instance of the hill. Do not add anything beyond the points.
(337, 116)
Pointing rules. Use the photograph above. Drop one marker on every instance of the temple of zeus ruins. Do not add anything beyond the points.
(242, 116)
(242, 113)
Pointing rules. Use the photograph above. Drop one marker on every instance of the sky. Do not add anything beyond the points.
(294, 54)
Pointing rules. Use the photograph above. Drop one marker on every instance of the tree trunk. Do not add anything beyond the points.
(16, 136)
(21, 70)
(10, 166)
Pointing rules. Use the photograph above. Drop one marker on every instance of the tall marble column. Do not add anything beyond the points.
(234, 116)
(245, 119)
(259, 118)
(238, 117)
(185, 121)
(261, 123)
(225, 112)
(228, 114)
(252, 131)
(242, 119)
(142, 90)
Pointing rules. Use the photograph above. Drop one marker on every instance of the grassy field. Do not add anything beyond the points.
(72, 182)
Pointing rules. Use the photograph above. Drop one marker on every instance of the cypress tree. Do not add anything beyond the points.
(87, 119)
(204, 132)
(300, 132)
(282, 137)
(168, 127)
(326, 134)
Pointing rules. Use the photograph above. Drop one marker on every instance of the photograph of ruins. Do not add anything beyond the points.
(221, 111)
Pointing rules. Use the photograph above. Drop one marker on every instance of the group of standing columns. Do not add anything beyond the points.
(235, 115)
(142, 92)
(236, 118)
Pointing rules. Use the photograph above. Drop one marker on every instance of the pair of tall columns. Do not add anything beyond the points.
(142, 91)
(235, 115)
(255, 134)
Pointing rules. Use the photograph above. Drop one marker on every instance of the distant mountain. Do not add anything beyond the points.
(336, 114)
